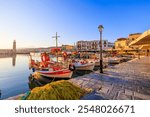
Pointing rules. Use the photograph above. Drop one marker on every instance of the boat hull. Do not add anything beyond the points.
(85, 67)
(56, 74)
(114, 61)
(97, 64)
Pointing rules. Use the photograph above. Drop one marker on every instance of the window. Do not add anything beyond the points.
(105, 43)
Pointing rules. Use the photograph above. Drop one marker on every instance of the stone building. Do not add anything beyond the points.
(143, 41)
(68, 47)
(6, 52)
(93, 45)
(123, 43)
(133, 37)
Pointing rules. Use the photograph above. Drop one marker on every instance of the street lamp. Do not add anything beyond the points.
(100, 27)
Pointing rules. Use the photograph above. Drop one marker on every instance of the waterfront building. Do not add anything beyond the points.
(123, 43)
(94, 45)
(5, 51)
(133, 37)
(68, 48)
(28, 50)
(110, 45)
(143, 41)
(8, 52)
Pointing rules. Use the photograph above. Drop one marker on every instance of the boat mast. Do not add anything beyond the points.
(56, 37)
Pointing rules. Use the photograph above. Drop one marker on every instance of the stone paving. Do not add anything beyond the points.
(126, 81)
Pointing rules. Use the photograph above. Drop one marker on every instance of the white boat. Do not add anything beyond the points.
(63, 73)
(114, 60)
(105, 62)
(97, 62)
(85, 66)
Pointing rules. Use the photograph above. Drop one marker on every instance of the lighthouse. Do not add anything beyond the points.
(14, 47)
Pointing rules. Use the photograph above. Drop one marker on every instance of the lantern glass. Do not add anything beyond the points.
(100, 27)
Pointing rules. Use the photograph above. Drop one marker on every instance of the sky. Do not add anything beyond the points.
(32, 23)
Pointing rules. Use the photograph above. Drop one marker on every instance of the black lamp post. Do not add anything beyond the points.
(100, 27)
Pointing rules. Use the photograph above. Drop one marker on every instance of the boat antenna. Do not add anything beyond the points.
(56, 37)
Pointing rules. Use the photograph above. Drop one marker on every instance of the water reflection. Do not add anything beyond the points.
(38, 81)
(9, 56)
(0, 94)
(14, 60)
(14, 72)
(15, 76)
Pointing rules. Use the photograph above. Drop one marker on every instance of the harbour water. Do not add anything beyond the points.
(14, 73)
(125, 78)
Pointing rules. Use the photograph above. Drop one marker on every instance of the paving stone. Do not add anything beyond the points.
(128, 92)
(104, 90)
(97, 87)
(93, 96)
(126, 81)
(84, 83)
(85, 79)
(142, 96)
(94, 81)
(124, 97)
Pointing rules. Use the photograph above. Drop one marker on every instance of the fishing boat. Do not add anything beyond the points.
(84, 66)
(50, 68)
(97, 62)
(62, 73)
(40, 65)
(114, 60)
(57, 71)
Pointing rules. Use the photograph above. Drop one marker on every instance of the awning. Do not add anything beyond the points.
(128, 48)
(144, 47)
(142, 40)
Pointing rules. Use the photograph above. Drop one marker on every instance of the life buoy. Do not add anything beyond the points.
(72, 67)
(45, 57)
(32, 62)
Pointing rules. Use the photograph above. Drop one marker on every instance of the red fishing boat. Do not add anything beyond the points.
(62, 73)
(52, 70)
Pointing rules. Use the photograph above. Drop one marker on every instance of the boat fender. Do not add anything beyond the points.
(33, 69)
(71, 67)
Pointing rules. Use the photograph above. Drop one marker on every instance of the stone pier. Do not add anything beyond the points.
(125, 81)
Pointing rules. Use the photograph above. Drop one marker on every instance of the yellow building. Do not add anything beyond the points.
(143, 41)
(68, 47)
(121, 43)
(133, 37)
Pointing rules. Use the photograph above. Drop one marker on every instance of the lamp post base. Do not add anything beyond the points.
(101, 66)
